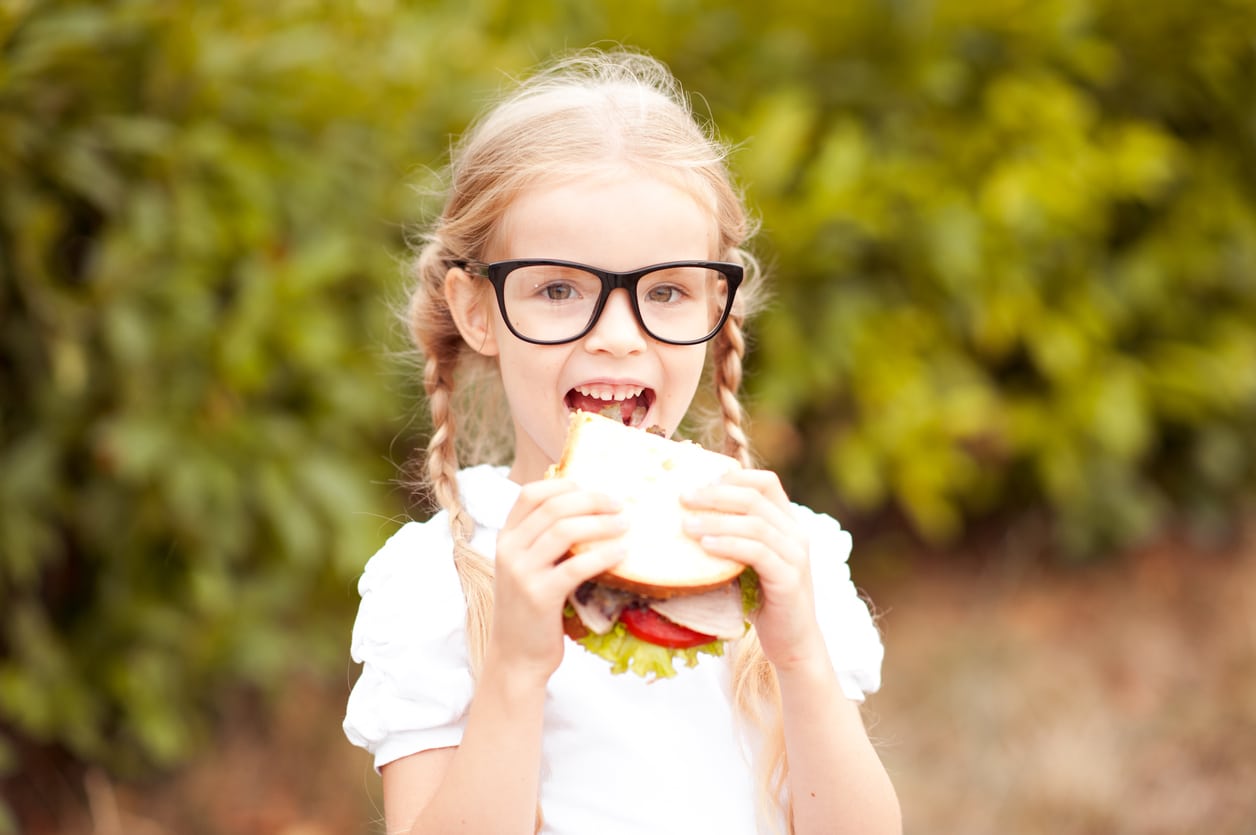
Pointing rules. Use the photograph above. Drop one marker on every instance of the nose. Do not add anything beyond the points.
(617, 330)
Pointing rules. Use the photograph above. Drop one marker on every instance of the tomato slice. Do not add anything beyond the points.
(650, 626)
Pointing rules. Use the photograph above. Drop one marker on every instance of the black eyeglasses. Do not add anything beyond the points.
(549, 302)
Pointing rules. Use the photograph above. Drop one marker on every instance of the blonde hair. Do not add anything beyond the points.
(568, 121)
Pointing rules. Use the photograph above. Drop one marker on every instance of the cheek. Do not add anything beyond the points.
(527, 370)
(692, 363)
(684, 377)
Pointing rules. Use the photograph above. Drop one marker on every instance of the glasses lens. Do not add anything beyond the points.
(682, 304)
(549, 302)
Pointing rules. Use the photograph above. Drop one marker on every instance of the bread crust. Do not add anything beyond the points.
(647, 589)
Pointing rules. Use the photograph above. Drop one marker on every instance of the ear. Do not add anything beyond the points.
(470, 304)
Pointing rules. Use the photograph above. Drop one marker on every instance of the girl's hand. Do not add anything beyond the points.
(533, 579)
(747, 517)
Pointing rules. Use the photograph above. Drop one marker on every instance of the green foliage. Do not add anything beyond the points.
(1017, 258)
(1012, 247)
(199, 222)
(1013, 251)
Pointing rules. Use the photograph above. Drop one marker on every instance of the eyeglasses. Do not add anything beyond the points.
(549, 302)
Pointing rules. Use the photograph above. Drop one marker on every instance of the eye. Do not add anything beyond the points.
(664, 294)
(558, 291)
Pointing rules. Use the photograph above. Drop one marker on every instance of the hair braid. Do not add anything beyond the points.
(474, 571)
(442, 455)
(727, 352)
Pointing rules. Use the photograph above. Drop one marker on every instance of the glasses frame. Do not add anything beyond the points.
(497, 271)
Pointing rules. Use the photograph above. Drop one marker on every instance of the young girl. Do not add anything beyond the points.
(481, 716)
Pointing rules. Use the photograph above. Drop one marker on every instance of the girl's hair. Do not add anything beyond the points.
(571, 120)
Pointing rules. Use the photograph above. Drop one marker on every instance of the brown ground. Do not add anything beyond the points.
(1117, 699)
(1111, 699)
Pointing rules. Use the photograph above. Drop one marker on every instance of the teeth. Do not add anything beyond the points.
(609, 392)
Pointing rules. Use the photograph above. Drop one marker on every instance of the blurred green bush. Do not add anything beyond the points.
(200, 224)
(1013, 247)
(1016, 257)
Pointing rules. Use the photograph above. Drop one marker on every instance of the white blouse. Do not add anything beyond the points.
(619, 754)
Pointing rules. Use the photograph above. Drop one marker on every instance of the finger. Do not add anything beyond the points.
(538, 494)
(561, 537)
(555, 543)
(781, 578)
(746, 526)
(533, 495)
(765, 481)
(539, 509)
(590, 562)
(734, 499)
(759, 555)
(748, 540)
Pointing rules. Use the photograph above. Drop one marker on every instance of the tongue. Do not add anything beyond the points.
(630, 411)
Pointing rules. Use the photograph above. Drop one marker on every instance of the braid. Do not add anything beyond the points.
(727, 352)
(442, 455)
(474, 571)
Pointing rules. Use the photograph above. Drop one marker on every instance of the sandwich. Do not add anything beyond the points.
(668, 600)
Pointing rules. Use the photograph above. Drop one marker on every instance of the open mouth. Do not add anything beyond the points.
(628, 404)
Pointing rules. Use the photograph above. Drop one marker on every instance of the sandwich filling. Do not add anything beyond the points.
(715, 614)
(627, 630)
(626, 404)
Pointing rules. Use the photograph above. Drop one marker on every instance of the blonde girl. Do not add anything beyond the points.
(481, 717)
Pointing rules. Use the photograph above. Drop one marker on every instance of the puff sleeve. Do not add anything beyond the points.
(850, 634)
(410, 637)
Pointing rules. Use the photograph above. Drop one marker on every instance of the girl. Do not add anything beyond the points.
(481, 717)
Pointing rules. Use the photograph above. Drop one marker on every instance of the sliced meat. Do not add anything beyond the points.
(717, 612)
(599, 606)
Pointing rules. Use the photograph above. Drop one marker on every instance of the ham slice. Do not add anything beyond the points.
(717, 612)
(598, 607)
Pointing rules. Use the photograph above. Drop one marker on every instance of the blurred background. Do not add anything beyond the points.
(1012, 347)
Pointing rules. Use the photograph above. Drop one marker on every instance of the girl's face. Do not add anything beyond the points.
(621, 222)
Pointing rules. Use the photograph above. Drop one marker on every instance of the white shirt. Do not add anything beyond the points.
(619, 754)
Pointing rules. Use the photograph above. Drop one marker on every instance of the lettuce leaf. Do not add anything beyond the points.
(627, 652)
(750, 599)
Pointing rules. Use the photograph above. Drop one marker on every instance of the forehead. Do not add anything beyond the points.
(617, 221)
